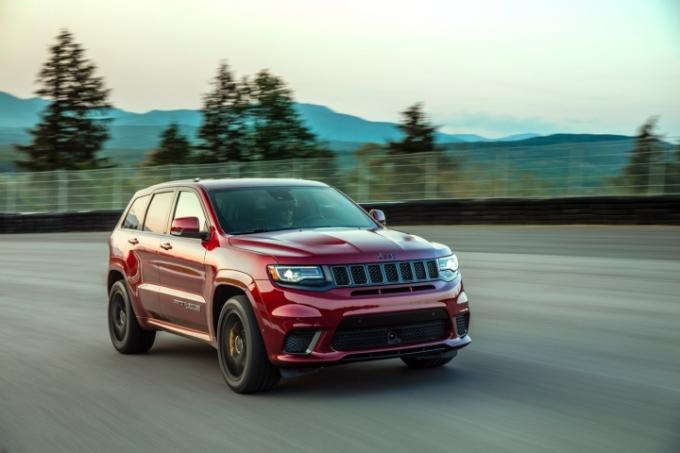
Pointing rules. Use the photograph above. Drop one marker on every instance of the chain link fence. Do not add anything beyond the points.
(487, 172)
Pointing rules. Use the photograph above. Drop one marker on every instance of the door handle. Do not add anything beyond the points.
(166, 246)
(133, 241)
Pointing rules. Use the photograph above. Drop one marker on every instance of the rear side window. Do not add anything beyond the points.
(159, 210)
(188, 205)
(135, 216)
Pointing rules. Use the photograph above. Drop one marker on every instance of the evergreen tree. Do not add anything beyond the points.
(419, 134)
(223, 133)
(73, 127)
(278, 130)
(646, 156)
(174, 148)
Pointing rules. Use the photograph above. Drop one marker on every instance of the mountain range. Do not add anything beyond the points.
(132, 130)
(133, 135)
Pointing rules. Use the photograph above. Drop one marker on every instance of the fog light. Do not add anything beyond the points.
(462, 298)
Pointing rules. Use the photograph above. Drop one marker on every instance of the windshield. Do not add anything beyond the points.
(260, 209)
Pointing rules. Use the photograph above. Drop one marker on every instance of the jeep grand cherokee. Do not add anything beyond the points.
(280, 276)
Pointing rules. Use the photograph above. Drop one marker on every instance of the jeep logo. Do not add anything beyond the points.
(386, 256)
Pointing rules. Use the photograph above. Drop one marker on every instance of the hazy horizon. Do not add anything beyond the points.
(490, 67)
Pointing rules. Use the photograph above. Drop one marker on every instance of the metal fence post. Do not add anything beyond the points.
(174, 172)
(575, 176)
(361, 185)
(501, 164)
(115, 188)
(62, 187)
(430, 177)
(11, 194)
(650, 174)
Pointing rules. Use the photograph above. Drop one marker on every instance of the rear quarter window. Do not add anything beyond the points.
(135, 215)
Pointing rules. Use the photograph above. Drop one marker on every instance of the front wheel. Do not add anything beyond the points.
(241, 352)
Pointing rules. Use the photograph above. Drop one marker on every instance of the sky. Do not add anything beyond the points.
(493, 67)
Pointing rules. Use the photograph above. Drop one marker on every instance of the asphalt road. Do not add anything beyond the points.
(576, 348)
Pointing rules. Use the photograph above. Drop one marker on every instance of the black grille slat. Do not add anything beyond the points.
(358, 275)
(406, 272)
(385, 273)
(374, 273)
(341, 276)
(420, 270)
(391, 272)
(432, 269)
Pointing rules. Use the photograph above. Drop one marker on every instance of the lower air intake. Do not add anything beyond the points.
(390, 330)
(297, 342)
(462, 325)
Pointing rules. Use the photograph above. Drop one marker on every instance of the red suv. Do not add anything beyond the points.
(281, 276)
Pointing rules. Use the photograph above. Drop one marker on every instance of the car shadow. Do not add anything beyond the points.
(370, 377)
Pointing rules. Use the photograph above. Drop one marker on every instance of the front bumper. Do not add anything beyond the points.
(322, 313)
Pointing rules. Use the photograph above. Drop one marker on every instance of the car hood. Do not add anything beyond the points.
(340, 245)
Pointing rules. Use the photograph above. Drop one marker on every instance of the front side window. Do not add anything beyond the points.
(260, 209)
(189, 205)
(135, 215)
(157, 216)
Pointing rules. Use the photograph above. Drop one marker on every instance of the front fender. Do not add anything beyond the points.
(247, 285)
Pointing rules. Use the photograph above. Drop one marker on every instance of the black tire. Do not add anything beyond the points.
(240, 349)
(429, 362)
(126, 334)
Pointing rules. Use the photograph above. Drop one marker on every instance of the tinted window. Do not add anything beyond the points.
(135, 216)
(159, 210)
(189, 205)
(258, 209)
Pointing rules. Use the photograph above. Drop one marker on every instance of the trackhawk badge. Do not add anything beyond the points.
(187, 305)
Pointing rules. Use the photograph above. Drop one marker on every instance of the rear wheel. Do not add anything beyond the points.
(241, 352)
(426, 362)
(126, 334)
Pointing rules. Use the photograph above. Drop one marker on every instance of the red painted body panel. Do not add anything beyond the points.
(172, 280)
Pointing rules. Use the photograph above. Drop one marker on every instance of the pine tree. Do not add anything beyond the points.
(278, 130)
(419, 134)
(174, 148)
(646, 155)
(73, 126)
(223, 133)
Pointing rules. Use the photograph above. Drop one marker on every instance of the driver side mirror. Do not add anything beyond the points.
(187, 227)
(378, 216)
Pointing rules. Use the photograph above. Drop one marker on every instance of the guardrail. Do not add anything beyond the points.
(559, 211)
(550, 171)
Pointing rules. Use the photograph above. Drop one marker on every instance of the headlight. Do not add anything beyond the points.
(296, 274)
(448, 266)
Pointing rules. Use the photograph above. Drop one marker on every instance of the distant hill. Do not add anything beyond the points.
(133, 135)
(141, 130)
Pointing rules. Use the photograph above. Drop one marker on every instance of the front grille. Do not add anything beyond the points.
(385, 273)
(390, 330)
